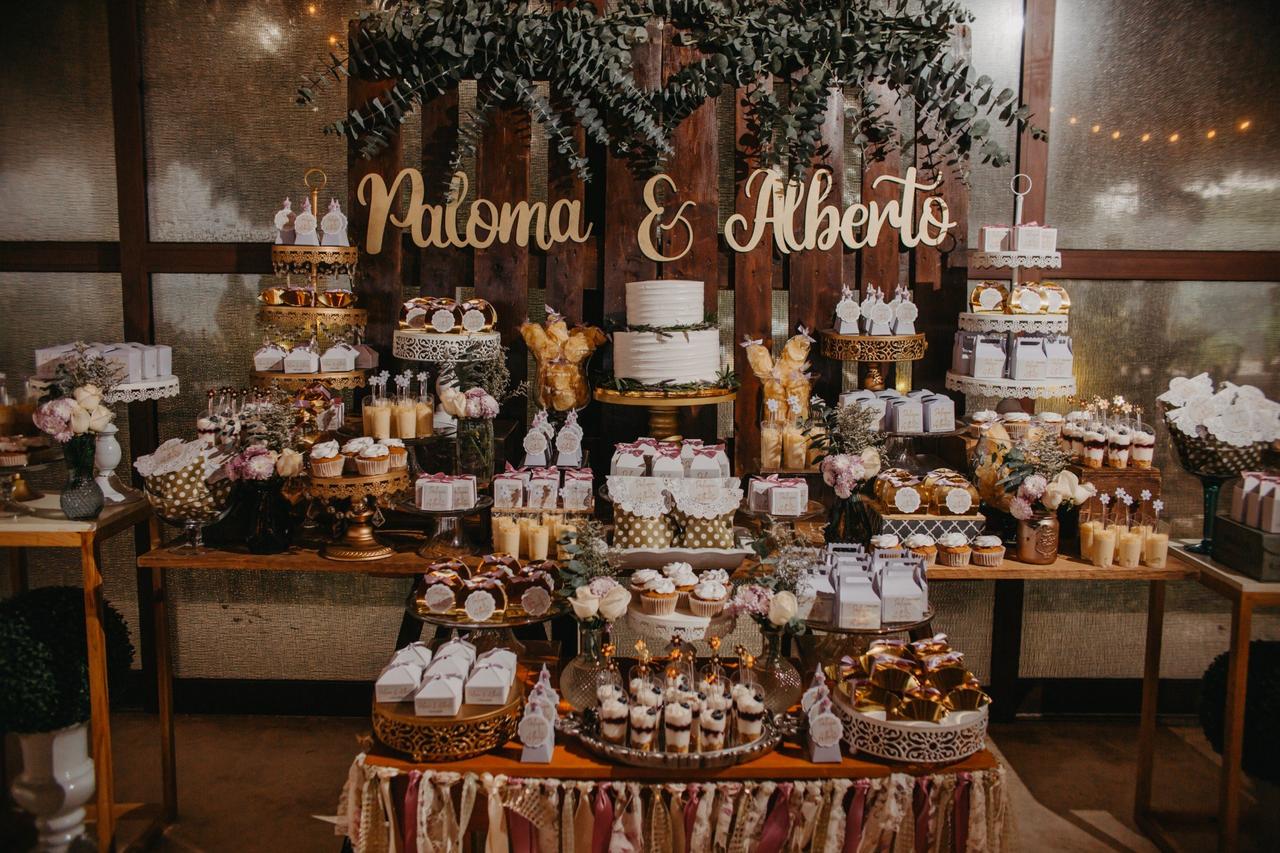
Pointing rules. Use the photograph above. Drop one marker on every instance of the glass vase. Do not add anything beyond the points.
(81, 497)
(847, 521)
(268, 517)
(475, 449)
(777, 676)
(580, 676)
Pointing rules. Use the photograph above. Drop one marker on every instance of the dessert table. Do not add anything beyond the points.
(47, 527)
(576, 803)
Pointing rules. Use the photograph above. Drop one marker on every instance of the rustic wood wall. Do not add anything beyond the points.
(587, 281)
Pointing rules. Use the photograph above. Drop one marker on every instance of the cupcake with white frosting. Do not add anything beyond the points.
(953, 549)
(708, 598)
(373, 460)
(885, 542)
(923, 546)
(988, 551)
(1017, 424)
(326, 459)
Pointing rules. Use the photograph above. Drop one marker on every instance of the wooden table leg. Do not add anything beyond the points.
(1006, 650)
(1233, 736)
(1150, 698)
(17, 570)
(164, 680)
(99, 699)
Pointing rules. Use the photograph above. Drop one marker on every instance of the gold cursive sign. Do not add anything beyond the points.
(786, 204)
(436, 225)
(644, 235)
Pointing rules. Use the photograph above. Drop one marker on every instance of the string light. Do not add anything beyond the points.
(1211, 134)
(1173, 137)
(1246, 124)
(333, 39)
(1096, 128)
(1115, 134)
(1241, 126)
(311, 9)
(1071, 120)
(1146, 137)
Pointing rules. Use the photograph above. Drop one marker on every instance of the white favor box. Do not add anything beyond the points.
(880, 407)
(398, 682)
(962, 353)
(988, 359)
(1059, 359)
(848, 398)
(575, 493)
(434, 495)
(543, 491)
(301, 361)
(339, 358)
(1028, 361)
(463, 491)
(149, 360)
(994, 238)
(788, 500)
(907, 416)
(164, 359)
(47, 359)
(901, 596)
(508, 492)
(269, 358)
(939, 413)
(129, 358)
(703, 468)
(439, 696)
(488, 684)
(815, 596)
(857, 605)
(1249, 484)
(666, 466)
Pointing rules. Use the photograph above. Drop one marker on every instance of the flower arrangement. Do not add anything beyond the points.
(1036, 480)
(260, 463)
(589, 579)
(773, 609)
(848, 446)
(1237, 415)
(80, 413)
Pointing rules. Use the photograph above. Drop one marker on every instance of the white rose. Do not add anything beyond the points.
(615, 603)
(783, 608)
(89, 396)
(100, 418)
(453, 401)
(585, 605)
(870, 461)
(1052, 497)
(289, 463)
(80, 420)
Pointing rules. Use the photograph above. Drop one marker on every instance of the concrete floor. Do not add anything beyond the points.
(254, 783)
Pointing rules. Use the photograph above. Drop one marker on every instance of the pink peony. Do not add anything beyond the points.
(480, 404)
(54, 418)
(254, 463)
(600, 587)
(751, 599)
(1033, 487)
(1020, 508)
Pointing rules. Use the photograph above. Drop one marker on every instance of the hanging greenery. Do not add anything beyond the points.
(903, 47)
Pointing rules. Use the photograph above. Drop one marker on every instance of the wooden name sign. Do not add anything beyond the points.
(436, 225)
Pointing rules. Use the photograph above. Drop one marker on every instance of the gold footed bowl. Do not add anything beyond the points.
(475, 730)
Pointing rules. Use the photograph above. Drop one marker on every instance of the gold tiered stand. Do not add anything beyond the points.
(293, 382)
(879, 351)
(358, 542)
(663, 406)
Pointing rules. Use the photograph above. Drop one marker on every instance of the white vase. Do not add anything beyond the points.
(55, 783)
(106, 457)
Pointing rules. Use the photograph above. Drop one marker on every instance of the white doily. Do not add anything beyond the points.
(625, 498)
(1043, 323)
(413, 345)
(727, 501)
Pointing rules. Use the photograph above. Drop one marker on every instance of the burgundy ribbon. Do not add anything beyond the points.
(964, 785)
(409, 820)
(710, 451)
(691, 811)
(777, 824)
(857, 811)
(523, 837)
(920, 804)
(602, 828)
(670, 451)
(437, 478)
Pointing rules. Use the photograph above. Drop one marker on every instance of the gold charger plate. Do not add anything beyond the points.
(297, 381)
(706, 396)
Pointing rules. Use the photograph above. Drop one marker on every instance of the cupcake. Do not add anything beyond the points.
(642, 578)
(953, 550)
(1017, 424)
(644, 724)
(988, 551)
(678, 721)
(374, 459)
(326, 459)
(979, 421)
(352, 449)
(885, 542)
(659, 597)
(922, 545)
(1051, 423)
(708, 598)
(399, 454)
(718, 575)
(750, 712)
(613, 720)
(711, 725)
(682, 575)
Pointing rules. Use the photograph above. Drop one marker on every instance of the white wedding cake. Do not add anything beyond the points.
(668, 351)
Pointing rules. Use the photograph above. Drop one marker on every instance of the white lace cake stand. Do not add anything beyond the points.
(686, 626)
(1034, 389)
(159, 388)
(997, 260)
(971, 321)
(437, 347)
(959, 735)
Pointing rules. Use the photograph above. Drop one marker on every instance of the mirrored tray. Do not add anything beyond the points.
(586, 728)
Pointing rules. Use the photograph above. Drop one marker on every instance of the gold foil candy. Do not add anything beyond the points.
(335, 299)
(896, 680)
(272, 296)
(919, 710)
(299, 297)
(967, 699)
(485, 318)
(869, 697)
(949, 678)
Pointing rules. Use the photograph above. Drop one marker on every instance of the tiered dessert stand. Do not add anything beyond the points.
(364, 493)
(1023, 389)
(879, 351)
(664, 406)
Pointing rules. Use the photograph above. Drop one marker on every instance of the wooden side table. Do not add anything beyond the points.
(49, 529)
(1245, 594)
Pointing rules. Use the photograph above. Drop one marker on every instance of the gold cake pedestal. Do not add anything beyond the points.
(474, 730)
(358, 543)
(664, 406)
(879, 351)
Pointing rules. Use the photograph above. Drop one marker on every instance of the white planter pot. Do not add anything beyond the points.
(55, 783)
(106, 457)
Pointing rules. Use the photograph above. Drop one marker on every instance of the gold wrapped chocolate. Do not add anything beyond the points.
(893, 679)
(335, 298)
(896, 648)
(923, 691)
(272, 296)
(918, 710)
(477, 315)
(967, 699)
(934, 645)
(299, 297)
(942, 660)
(869, 697)
(950, 678)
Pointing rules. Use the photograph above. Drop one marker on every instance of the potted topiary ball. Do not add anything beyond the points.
(45, 702)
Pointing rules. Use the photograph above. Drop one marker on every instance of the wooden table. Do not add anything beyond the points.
(1245, 594)
(50, 529)
(1006, 620)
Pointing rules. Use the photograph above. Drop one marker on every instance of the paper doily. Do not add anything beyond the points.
(1039, 260)
(1038, 389)
(413, 345)
(148, 389)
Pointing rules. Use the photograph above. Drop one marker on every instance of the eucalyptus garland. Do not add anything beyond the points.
(815, 46)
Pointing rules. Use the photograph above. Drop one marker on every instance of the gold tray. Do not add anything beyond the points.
(666, 398)
(877, 348)
(475, 729)
(293, 317)
(325, 260)
(355, 485)
(297, 381)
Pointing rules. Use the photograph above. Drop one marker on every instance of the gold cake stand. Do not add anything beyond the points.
(663, 406)
(473, 731)
(337, 381)
(878, 350)
(364, 492)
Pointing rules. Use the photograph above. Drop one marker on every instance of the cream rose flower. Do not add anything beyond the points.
(585, 605)
(615, 603)
(80, 419)
(870, 461)
(100, 418)
(289, 463)
(783, 608)
(89, 396)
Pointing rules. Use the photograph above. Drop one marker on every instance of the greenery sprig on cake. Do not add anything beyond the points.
(903, 48)
(726, 379)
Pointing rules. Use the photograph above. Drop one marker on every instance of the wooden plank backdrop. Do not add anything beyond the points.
(587, 281)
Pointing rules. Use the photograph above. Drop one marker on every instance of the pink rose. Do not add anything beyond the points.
(54, 418)
(1033, 487)
(600, 587)
(480, 404)
(1020, 508)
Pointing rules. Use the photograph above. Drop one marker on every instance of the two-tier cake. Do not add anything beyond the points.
(667, 339)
